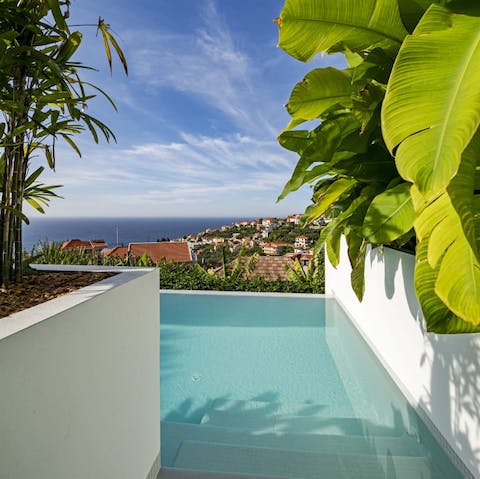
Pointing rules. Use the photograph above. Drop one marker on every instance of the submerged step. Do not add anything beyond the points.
(300, 464)
(270, 408)
(284, 423)
(173, 434)
(172, 473)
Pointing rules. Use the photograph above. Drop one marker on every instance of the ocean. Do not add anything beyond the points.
(129, 230)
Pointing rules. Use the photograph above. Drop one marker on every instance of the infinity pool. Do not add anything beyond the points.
(282, 386)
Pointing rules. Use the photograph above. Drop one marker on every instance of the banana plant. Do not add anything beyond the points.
(396, 150)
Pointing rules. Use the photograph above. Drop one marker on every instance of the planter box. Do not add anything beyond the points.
(79, 380)
(439, 374)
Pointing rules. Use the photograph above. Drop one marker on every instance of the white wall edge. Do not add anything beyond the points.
(80, 379)
(36, 314)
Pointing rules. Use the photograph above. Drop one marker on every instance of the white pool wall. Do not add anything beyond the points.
(79, 380)
(439, 374)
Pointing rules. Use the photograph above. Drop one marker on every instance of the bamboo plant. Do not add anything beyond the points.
(43, 100)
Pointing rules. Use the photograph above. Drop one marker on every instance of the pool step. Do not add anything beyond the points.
(205, 456)
(284, 423)
(252, 407)
(173, 434)
(172, 473)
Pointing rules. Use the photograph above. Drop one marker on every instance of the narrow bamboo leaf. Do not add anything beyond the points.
(103, 27)
(308, 27)
(317, 92)
(119, 51)
(72, 144)
(33, 176)
(50, 158)
(69, 47)
(34, 204)
(54, 6)
(430, 128)
(390, 215)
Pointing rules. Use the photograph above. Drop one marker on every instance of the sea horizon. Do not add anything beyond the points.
(120, 230)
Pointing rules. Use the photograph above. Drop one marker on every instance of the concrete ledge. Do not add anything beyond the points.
(80, 382)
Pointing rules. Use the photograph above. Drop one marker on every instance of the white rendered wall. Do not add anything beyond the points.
(79, 390)
(439, 373)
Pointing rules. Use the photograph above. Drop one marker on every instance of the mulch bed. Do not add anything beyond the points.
(39, 286)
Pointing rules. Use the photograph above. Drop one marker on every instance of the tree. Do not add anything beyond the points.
(397, 147)
(43, 100)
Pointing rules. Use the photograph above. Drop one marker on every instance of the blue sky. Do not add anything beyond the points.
(198, 114)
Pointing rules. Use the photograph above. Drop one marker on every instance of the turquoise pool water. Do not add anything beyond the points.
(282, 386)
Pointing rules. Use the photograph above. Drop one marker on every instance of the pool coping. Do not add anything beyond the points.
(246, 293)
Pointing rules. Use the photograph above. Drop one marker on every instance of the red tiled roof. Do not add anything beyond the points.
(86, 245)
(117, 251)
(178, 252)
(76, 244)
(271, 267)
(98, 244)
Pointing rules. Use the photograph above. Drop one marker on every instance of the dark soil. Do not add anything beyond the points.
(40, 286)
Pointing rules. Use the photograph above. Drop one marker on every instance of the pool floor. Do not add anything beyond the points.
(282, 386)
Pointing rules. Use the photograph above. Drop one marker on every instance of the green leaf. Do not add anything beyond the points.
(72, 144)
(390, 215)
(438, 317)
(326, 199)
(69, 47)
(308, 27)
(49, 157)
(54, 6)
(357, 276)
(332, 244)
(429, 127)
(449, 225)
(341, 133)
(294, 140)
(317, 92)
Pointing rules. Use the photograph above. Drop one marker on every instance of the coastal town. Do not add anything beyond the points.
(275, 243)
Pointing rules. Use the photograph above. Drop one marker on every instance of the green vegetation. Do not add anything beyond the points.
(288, 232)
(184, 276)
(395, 157)
(43, 101)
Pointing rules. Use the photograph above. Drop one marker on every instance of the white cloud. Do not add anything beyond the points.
(198, 171)
(207, 65)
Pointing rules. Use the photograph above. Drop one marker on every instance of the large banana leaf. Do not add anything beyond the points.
(390, 215)
(321, 89)
(319, 146)
(432, 104)
(326, 198)
(438, 317)
(308, 27)
(449, 225)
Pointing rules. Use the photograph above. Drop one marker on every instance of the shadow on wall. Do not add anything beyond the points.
(395, 262)
(455, 375)
(454, 392)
